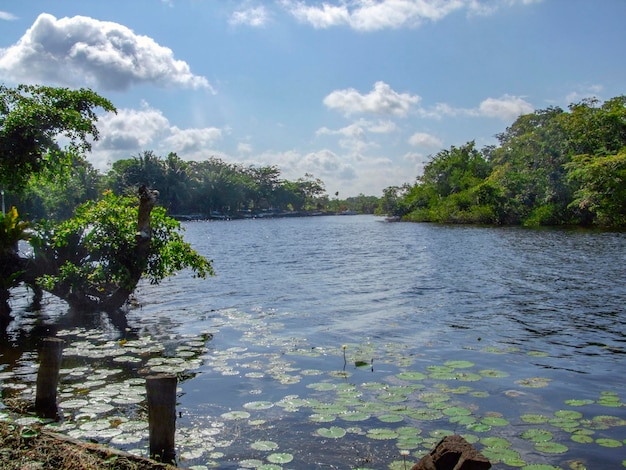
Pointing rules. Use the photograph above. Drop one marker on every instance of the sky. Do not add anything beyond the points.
(358, 93)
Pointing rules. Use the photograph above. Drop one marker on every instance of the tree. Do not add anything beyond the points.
(32, 118)
(601, 194)
(94, 259)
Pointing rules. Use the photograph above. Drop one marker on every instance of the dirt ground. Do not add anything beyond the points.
(33, 448)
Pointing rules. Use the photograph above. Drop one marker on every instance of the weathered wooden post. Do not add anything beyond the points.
(48, 377)
(161, 391)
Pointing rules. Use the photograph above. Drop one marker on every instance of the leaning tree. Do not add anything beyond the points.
(95, 259)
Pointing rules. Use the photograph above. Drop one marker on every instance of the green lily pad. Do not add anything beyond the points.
(354, 416)
(258, 405)
(581, 438)
(459, 364)
(608, 420)
(568, 414)
(534, 382)
(381, 434)
(250, 463)
(264, 445)
(233, 415)
(411, 376)
(495, 421)
(574, 402)
(390, 418)
(498, 442)
(551, 447)
(604, 442)
(534, 418)
(334, 432)
(424, 414)
(492, 373)
(457, 411)
(478, 427)
(500, 454)
(537, 435)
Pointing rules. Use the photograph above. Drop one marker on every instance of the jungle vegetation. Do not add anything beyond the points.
(551, 167)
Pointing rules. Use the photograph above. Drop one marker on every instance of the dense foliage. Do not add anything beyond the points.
(551, 167)
(96, 255)
(210, 186)
(93, 255)
(32, 118)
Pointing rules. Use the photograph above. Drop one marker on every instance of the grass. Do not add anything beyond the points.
(32, 448)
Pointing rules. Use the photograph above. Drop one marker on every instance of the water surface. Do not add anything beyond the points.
(506, 323)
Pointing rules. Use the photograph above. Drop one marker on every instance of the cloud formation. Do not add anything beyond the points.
(106, 55)
(422, 139)
(374, 15)
(256, 17)
(507, 107)
(382, 100)
(6, 16)
(132, 131)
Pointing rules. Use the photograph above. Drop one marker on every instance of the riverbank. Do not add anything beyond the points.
(35, 448)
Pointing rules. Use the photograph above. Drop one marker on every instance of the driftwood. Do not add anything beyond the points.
(453, 453)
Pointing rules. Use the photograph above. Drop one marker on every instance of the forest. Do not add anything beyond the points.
(550, 167)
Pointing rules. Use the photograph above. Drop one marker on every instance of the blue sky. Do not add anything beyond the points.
(359, 93)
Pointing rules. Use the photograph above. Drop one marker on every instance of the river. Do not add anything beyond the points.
(340, 342)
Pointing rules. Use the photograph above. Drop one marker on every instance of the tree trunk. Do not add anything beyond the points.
(147, 200)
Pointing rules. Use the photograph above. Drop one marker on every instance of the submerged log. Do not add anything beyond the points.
(453, 453)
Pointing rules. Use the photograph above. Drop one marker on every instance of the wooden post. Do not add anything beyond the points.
(161, 391)
(48, 377)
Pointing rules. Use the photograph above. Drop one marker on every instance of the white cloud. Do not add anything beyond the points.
(243, 147)
(6, 16)
(507, 107)
(256, 16)
(422, 139)
(381, 100)
(374, 15)
(84, 51)
(325, 162)
(590, 91)
(191, 141)
(131, 131)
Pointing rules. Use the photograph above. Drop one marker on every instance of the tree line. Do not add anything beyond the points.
(551, 167)
(200, 189)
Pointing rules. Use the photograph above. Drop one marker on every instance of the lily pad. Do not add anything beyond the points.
(381, 434)
(457, 411)
(604, 442)
(334, 432)
(281, 457)
(258, 405)
(459, 364)
(551, 447)
(537, 435)
(411, 376)
(534, 382)
(264, 445)
(233, 415)
(498, 442)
